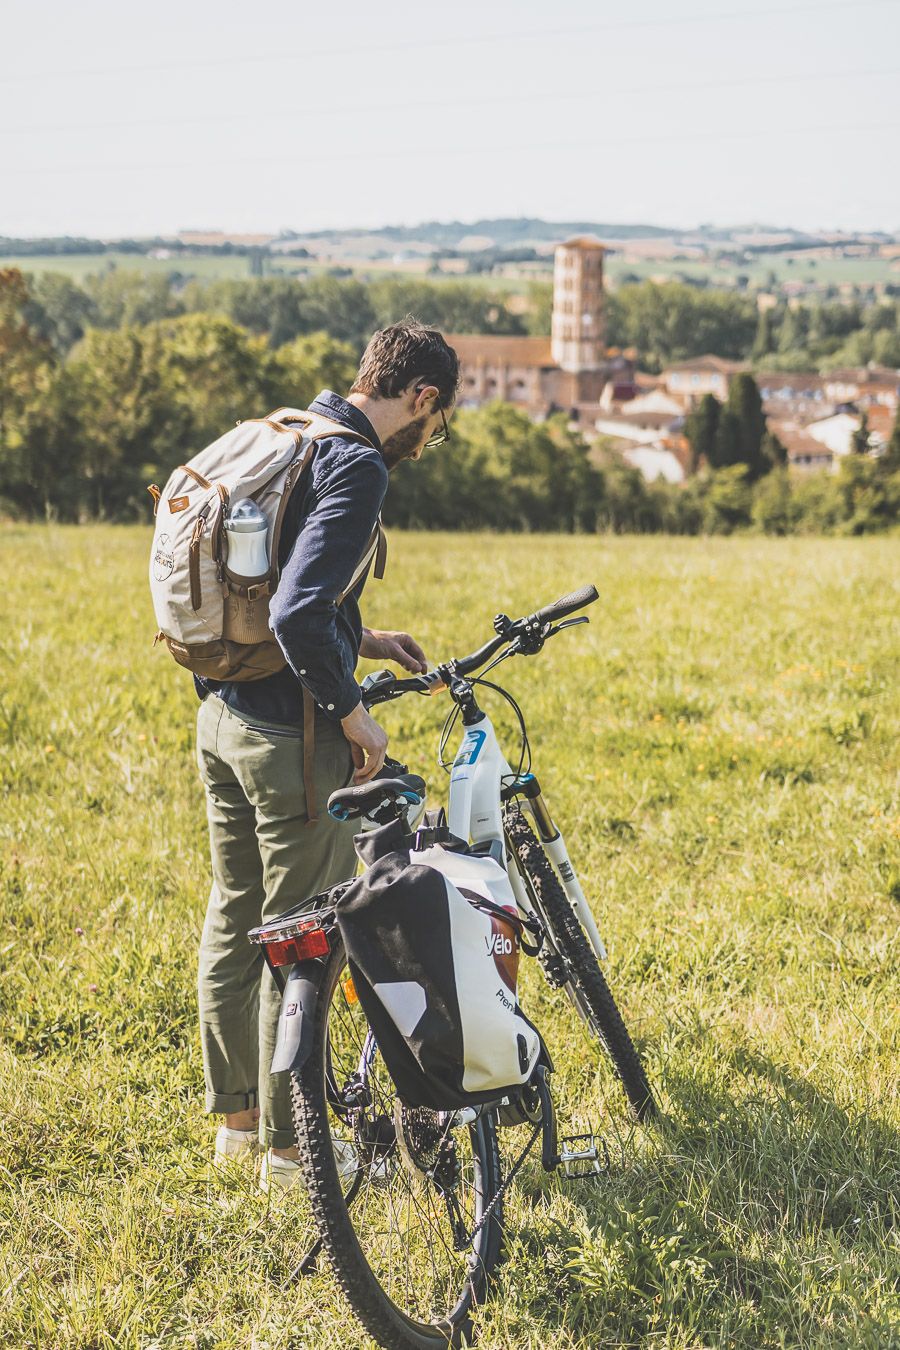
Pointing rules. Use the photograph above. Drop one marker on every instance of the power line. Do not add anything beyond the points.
(353, 110)
(287, 161)
(468, 40)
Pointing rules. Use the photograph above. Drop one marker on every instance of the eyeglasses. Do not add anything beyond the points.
(438, 437)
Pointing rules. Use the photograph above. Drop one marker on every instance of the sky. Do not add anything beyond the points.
(141, 120)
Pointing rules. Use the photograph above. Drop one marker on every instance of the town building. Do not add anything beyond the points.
(642, 417)
(692, 380)
(568, 371)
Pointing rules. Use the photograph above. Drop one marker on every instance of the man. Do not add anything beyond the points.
(266, 855)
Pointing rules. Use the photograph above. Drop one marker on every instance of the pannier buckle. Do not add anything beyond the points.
(257, 590)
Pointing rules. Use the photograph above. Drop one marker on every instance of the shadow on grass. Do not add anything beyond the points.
(759, 1213)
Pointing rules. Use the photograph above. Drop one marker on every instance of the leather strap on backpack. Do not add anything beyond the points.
(314, 427)
(309, 756)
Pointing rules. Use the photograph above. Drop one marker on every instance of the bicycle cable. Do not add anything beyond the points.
(450, 722)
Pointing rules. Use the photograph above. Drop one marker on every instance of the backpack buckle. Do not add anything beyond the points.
(257, 590)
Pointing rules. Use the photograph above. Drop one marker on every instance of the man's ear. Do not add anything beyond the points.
(425, 397)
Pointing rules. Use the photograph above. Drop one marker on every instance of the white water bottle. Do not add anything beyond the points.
(247, 530)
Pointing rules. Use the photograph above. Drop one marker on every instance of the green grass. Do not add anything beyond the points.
(720, 746)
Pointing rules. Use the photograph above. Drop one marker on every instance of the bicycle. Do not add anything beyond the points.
(409, 1202)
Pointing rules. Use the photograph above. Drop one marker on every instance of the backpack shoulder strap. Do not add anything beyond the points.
(314, 426)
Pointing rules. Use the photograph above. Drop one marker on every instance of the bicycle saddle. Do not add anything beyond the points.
(350, 803)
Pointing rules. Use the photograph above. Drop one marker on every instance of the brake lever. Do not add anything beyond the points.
(567, 623)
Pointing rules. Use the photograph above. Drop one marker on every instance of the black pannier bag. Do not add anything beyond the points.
(432, 938)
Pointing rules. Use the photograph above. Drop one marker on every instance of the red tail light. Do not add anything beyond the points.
(309, 942)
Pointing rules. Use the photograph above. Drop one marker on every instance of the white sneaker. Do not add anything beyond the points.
(232, 1145)
(346, 1157)
(278, 1173)
(283, 1173)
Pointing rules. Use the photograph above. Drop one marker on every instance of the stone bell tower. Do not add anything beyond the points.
(578, 326)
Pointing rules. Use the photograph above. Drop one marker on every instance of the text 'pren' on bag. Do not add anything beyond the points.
(432, 940)
(214, 619)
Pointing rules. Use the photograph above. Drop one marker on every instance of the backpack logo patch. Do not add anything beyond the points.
(163, 558)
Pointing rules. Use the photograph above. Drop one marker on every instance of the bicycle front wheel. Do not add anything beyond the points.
(580, 968)
(400, 1195)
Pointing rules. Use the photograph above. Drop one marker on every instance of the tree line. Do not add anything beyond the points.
(86, 425)
(664, 322)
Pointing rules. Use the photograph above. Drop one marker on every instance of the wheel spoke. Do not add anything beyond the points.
(402, 1222)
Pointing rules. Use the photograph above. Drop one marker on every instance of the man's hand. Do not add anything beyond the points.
(368, 742)
(382, 645)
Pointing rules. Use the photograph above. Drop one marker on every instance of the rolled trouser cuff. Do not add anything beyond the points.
(272, 1138)
(227, 1103)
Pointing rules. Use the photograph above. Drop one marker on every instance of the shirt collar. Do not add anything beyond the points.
(330, 404)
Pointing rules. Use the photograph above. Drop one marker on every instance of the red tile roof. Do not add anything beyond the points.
(716, 363)
(472, 348)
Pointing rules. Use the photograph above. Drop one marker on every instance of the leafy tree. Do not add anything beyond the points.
(673, 322)
(213, 372)
(454, 306)
(301, 368)
(745, 403)
(728, 444)
(700, 428)
(59, 310)
(728, 501)
(540, 309)
(860, 438)
(122, 297)
(763, 343)
(891, 459)
(26, 374)
(774, 509)
(793, 331)
(869, 497)
(122, 422)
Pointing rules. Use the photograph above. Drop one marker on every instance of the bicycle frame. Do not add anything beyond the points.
(480, 778)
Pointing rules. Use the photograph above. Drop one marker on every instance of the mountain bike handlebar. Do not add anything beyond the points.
(524, 637)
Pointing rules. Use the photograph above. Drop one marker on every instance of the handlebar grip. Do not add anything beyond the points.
(567, 604)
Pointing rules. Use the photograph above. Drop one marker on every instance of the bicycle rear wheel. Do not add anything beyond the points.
(580, 968)
(393, 1190)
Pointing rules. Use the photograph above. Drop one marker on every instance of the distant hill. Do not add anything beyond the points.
(504, 231)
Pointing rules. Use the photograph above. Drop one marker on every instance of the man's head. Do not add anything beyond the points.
(407, 385)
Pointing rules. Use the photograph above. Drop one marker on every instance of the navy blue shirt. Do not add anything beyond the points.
(327, 525)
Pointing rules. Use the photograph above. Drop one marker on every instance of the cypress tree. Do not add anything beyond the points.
(700, 428)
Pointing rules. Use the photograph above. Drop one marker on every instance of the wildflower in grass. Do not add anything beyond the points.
(79, 932)
(700, 768)
(49, 749)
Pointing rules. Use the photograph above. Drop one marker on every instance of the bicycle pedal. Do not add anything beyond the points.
(579, 1156)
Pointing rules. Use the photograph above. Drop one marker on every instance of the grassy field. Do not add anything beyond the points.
(720, 746)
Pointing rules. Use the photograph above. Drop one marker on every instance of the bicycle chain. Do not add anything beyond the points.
(460, 1244)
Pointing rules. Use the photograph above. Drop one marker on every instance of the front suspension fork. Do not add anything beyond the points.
(528, 789)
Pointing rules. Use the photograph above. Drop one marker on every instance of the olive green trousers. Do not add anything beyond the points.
(266, 858)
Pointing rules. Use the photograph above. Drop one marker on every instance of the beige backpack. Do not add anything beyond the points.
(214, 622)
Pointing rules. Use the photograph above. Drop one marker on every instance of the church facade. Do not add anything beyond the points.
(572, 371)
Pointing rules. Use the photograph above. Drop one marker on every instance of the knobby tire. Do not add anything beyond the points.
(384, 1320)
(581, 962)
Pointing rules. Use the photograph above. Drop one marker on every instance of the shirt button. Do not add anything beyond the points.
(331, 707)
(303, 672)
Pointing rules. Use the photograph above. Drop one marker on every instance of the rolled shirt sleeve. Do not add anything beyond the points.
(315, 638)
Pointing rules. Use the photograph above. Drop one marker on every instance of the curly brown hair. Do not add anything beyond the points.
(406, 352)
